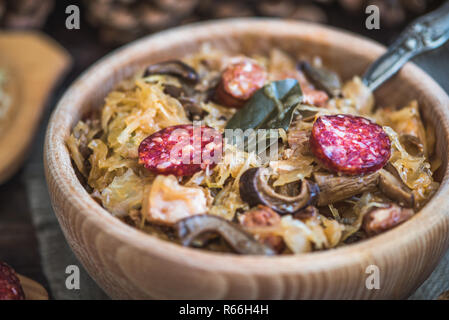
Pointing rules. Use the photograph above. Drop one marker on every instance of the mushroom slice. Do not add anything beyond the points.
(322, 78)
(395, 189)
(383, 219)
(174, 68)
(336, 188)
(412, 144)
(189, 98)
(254, 190)
(242, 242)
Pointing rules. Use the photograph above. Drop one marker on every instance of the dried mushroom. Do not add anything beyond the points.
(240, 241)
(395, 189)
(412, 144)
(336, 188)
(322, 78)
(254, 189)
(174, 68)
(189, 98)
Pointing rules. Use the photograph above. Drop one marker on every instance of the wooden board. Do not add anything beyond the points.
(34, 63)
(32, 289)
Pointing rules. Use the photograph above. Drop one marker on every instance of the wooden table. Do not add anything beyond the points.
(18, 242)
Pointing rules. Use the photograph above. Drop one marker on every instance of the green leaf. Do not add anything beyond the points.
(322, 78)
(271, 107)
(268, 106)
(289, 103)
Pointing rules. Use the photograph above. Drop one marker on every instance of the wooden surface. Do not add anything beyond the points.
(18, 242)
(129, 264)
(33, 77)
(32, 289)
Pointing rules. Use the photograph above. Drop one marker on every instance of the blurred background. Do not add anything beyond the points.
(115, 22)
(30, 239)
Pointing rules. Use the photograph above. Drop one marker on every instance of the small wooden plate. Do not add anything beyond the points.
(34, 63)
(32, 289)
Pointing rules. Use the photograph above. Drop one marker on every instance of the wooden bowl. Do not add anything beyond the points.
(127, 263)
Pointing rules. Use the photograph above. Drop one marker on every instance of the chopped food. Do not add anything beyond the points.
(239, 81)
(263, 222)
(381, 219)
(314, 97)
(174, 68)
(260, 216)
(323, 78)
(349, 144)
(333, 188)
(256, 155)
(254, 189)
(10, 288)
(181, 150)
(241, 241)
(167, 201)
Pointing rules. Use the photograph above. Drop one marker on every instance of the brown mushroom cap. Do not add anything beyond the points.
(395, 189)
(254, 189)
(335, 188)
(174, 68)
(322, 78)
(190, 228)
(189, 98)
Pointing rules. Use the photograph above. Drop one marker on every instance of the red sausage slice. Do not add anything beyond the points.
(349, 144)
(239, 82)
(312, 96)
(181, 150)
(10, 288)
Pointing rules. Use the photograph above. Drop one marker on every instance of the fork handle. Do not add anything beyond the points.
(424, 34)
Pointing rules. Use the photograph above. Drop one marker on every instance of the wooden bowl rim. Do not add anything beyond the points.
(58, 159)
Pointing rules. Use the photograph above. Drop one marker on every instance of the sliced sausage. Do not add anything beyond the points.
(239, 81)
(312, 96)
(10, 288)
(260, 216)
(181, 150)
(349, 144)
(383, 219)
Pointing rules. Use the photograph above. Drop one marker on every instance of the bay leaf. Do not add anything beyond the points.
(266, 105)
(271, 107)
